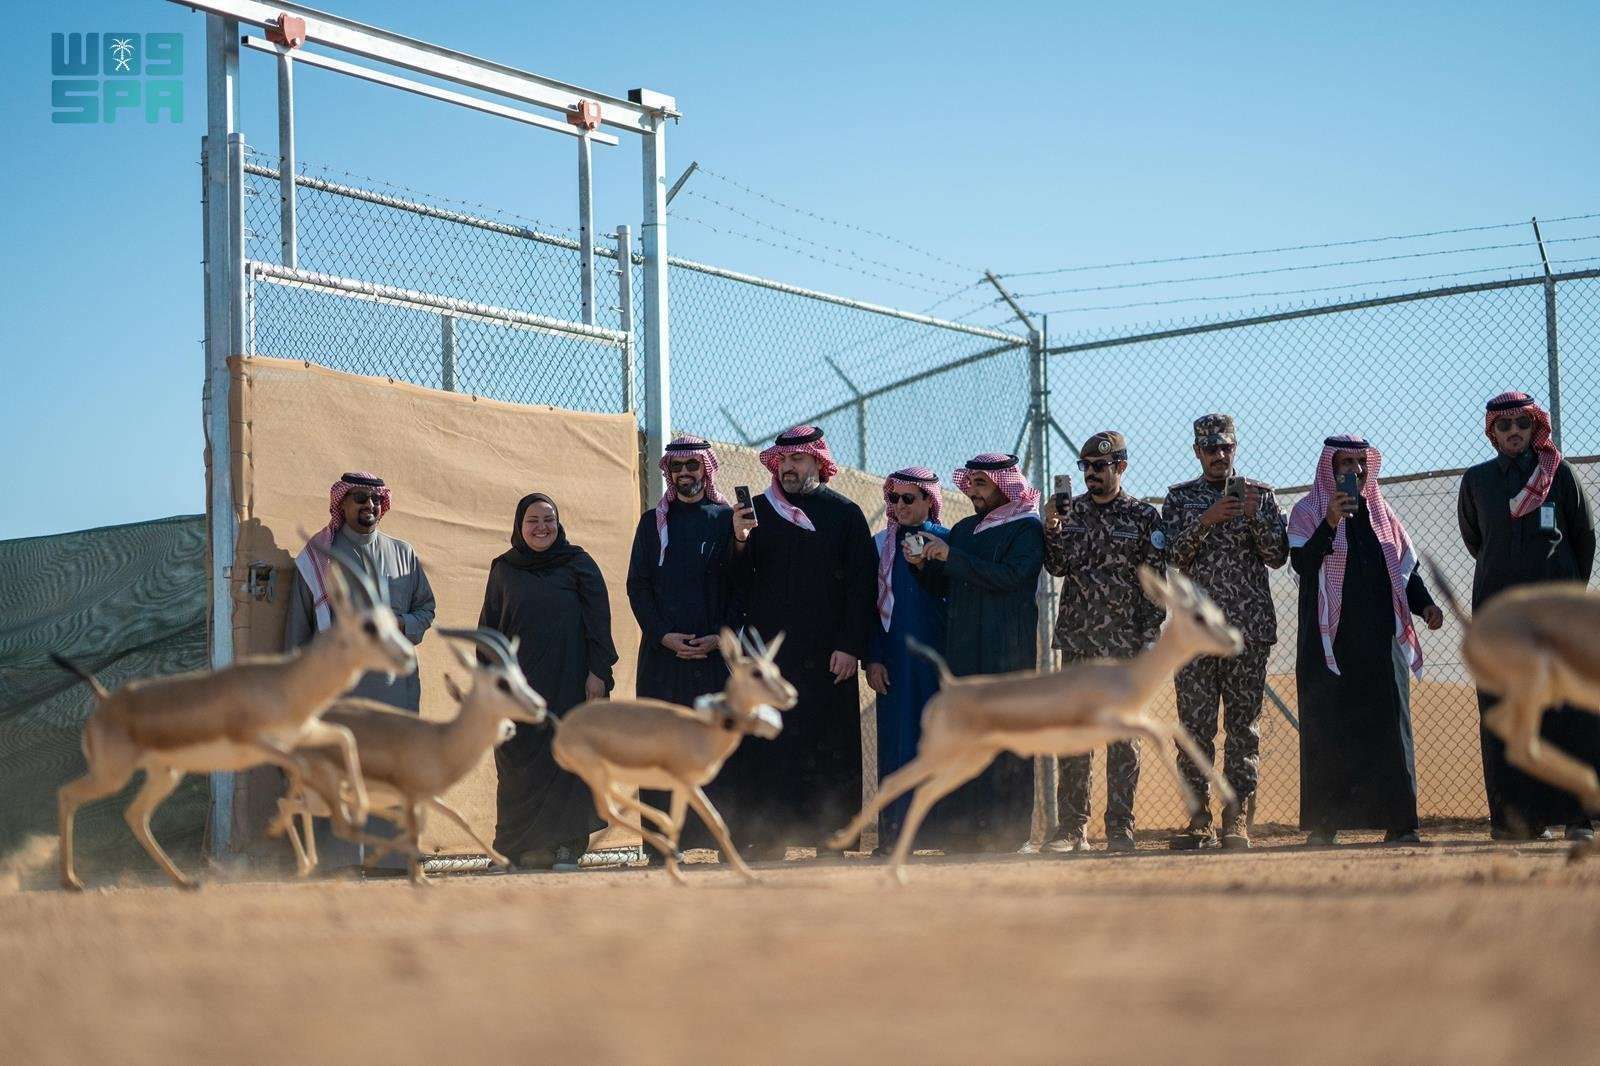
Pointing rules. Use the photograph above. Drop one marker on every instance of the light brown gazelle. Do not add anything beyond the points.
(1536, 647)
(409, 763)
(1067, 712)
(616, 746)
(257, 710)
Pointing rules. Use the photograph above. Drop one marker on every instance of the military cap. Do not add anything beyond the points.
(1108, 444)
(1214, 429)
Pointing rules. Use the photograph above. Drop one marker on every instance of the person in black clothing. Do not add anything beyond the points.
(1524, 518)
(550, 593)
(1359, 587)
(678, 592)
(804, 565)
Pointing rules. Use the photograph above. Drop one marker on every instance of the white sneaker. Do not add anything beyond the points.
(1068, 844)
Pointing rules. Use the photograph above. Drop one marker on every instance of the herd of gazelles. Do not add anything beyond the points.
(1535, 647)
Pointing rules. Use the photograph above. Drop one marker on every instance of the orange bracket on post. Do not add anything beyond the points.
(585, 115)
(288, 30)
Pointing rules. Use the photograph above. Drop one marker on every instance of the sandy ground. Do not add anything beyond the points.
(1457, 952)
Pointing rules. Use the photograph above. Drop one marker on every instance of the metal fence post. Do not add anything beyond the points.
(224, 258)
(625, 311)
(657, 356)
(447, 353)
(1552, 348)
(586, 227)
(286, 162)
(1046, 770)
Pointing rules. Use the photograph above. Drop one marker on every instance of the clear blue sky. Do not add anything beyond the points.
(1020, 137)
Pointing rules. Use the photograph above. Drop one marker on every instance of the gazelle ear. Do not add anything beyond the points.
(1155, 587)
(1183, 588)
(454, 689)
(462, 657)
(728, 643)
(337, 588)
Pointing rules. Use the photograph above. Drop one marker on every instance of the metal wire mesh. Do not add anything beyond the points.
(1410, 375)
(399, 239)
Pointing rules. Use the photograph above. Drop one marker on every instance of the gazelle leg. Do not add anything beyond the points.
(1186, 743)
(435, 803)
(893, 787)
(321, 734)
(308, 830)
(159, 781)
(679, 813)
(605, 803)
(957, 770)
(285, 823)
(413, 834)
(670, 855)
(106, 775)
(1164, 741)
(701, 803)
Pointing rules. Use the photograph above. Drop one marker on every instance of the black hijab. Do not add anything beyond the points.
(525, 558)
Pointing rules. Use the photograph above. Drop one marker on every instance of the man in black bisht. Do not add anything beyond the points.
(1524, 518)
(678, 591)
(803, 564)
(989, 569)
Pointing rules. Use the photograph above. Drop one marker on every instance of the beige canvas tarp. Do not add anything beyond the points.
(457, 465)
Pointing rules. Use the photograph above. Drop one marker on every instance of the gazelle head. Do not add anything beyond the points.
(1194, 623)
(363, 620)
(755, 689)
(497, 680)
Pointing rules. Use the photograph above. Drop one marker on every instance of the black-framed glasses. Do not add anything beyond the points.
(904, 497)
(1504, 424)
(689, 466)
(360, 496)
(1097, 465)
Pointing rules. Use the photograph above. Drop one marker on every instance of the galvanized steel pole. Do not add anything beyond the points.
(1552, 348)
(1046, 769)
(657, 356)
(286, 161)
(586, 227)
(447, 353)
(224, 255)
(625, 311)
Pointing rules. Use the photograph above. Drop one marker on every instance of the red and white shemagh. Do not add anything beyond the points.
(681, 448)
(313, 561)
(1398, 555)
(1537, 490)
(912, 477)
(806, 439)
(1022, 498)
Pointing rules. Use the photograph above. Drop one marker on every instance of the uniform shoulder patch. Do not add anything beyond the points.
(1158, 538)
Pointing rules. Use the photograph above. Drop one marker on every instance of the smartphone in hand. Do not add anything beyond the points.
(1063, 493)
(1350, 485)
(1235, 487)
(742, 494)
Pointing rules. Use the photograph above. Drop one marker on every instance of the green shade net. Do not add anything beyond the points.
(123, 602)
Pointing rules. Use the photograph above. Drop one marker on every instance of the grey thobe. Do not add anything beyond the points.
(409, 593)
(412, 599)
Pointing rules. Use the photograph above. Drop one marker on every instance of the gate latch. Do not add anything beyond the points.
(261, 582)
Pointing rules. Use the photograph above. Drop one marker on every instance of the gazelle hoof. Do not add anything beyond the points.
(72, 884)
(186, 885)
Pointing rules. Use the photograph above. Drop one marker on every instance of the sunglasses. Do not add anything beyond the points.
(1097, 465)
(1504, 424)
(1218, 449)
(903, 497)
(684, 465)
(360, 497)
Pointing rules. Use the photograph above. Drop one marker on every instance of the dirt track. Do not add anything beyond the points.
(1461, 952)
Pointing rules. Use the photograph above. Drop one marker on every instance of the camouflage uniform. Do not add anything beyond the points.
(1096, 550)
(1229, 561)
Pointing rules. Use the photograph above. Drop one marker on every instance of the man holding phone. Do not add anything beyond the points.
(1096, 547)
(1224, 532)
(677, 590)
(1524, 518)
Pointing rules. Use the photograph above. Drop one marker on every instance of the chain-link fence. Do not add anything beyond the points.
(392, 283)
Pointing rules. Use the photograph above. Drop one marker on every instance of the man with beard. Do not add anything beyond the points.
(989, 570)
(1524, 519)
(803, 565)
(903, 680)
(1096, 547)
(1225, 543)
(678, 593)
(357, 502)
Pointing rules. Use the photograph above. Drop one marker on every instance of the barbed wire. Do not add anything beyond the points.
(730, 232)
(1351, 286)
(1293, 247)
(1306, 266)
(703, 169)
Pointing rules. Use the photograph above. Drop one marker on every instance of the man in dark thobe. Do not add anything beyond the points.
(1096, 546)
(1524, 518)
(1356, 650)
(678, 591)
(803, 565)
(989, 569)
